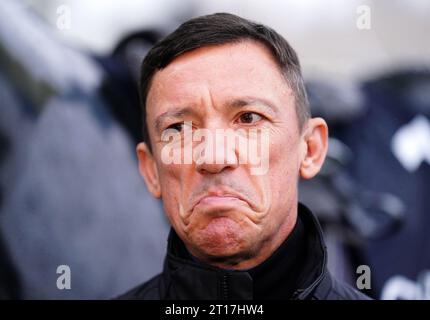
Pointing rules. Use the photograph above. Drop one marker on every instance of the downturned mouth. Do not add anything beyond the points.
(220, 198)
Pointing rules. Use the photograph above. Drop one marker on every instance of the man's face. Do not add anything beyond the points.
(226, 214)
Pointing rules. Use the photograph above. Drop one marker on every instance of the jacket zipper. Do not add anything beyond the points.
(224, 287)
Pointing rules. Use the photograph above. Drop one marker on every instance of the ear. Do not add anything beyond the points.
(148, 169)
(315, 144)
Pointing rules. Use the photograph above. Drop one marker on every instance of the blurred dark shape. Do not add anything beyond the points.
(134, 46)
(337, 102)
(120, 82)
(391, 142)
(411, 89)
(350, 214)
(9, 282)
(71, 190)
(336, 195)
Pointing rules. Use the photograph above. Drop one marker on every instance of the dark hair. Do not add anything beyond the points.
(218, 29)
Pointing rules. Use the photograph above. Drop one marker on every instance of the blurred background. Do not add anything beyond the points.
(70, 192)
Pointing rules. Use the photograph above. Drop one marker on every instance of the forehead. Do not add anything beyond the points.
(221, 72)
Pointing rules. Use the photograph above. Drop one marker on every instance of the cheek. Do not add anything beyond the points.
(170, 174)
(175, 183)
(283, 171)
(169, 179)
(284, 152)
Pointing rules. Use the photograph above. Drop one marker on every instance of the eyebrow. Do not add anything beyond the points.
(246, 101)
(236, 103)
(174, 113)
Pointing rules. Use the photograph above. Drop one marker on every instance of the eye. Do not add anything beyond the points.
(176, 126)
(250, 117)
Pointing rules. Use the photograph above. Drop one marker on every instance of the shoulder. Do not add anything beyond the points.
(343, 291)
(149, 290)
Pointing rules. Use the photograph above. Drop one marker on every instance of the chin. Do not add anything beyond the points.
(221, 237)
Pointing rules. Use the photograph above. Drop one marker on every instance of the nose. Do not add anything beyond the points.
(215, 154)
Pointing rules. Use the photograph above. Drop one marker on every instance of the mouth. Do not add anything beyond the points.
(220, 198)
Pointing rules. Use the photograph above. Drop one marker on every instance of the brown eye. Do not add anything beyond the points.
(249, 117)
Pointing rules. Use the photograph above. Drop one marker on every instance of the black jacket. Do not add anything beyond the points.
(297, 270)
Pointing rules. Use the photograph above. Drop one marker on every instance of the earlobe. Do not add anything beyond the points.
(316, 142)
(148, 169)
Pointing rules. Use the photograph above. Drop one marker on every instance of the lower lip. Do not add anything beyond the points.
(216, 200)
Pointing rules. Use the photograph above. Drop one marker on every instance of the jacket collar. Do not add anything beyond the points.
(185, 278)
